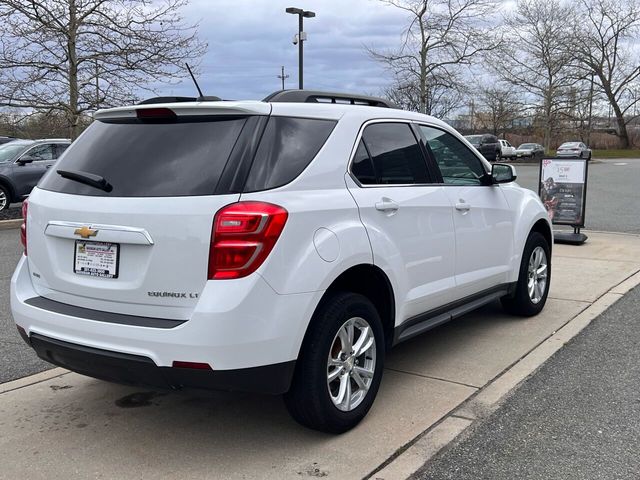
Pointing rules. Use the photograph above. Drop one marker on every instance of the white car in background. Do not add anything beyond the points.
(574, 149)
(507, 150)
(278, 246)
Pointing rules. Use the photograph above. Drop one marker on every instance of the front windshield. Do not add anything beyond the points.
(10, 150)
(569, 145)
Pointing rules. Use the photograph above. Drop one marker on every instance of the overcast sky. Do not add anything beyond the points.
(250, 39)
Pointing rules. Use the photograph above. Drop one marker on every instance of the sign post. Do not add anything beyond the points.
(562, 187)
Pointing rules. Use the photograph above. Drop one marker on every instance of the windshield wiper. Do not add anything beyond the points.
(87, 178)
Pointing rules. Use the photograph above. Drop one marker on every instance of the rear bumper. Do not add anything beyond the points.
(239, 328)
(138, 370)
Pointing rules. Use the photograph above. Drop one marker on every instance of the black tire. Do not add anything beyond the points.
(6, 194)
(520, 303)
(309, 401)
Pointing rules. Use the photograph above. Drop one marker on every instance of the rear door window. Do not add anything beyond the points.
(287, 147)
(395, 153)
(150, 159)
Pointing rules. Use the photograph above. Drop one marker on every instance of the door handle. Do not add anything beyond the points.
(387, 205)
(463, 207)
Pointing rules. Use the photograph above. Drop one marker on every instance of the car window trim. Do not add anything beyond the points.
(386, 185)
(435, 163)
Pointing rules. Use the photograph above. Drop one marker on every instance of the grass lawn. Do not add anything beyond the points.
(616, 153)
(631, 153)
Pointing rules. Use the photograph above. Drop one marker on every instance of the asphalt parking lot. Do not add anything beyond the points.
(613, 195)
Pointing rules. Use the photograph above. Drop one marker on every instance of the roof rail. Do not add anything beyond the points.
(312, 96)
(153, 100)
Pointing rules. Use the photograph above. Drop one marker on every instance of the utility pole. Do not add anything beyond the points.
(300, 38)
(97, 87)
(282, 76)
(589, 126)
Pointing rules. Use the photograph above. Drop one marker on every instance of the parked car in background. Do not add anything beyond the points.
(507, 150)
(279, 246)
(574, 149)
(22, 163)
(487, 144)
(532, 151)
(4, 140)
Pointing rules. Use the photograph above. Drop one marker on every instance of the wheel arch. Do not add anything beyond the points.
(370, 281)
(542, 227)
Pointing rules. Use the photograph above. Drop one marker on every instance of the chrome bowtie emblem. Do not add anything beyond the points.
(85, 232)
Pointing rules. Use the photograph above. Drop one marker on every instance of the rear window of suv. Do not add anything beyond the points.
(149, 159)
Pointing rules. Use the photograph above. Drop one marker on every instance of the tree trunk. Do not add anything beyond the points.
(622, 126)
(72, 112)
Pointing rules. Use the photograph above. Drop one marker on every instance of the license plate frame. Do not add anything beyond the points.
(109, 268)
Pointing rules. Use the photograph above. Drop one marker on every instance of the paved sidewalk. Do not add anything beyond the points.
(577, 418)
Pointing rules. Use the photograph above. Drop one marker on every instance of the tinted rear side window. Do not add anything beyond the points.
(287, 147)
(396, 155)
(150, 160)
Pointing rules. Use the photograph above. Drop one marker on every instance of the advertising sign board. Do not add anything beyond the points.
(562, 188)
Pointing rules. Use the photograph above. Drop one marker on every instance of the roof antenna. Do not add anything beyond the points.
(194, 81)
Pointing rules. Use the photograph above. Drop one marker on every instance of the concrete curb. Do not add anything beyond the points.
(490, 397)
(9, 224)
(32, 379)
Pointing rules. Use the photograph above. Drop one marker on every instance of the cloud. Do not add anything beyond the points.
(249, 40)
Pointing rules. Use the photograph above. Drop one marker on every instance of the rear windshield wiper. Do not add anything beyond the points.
(87, 178)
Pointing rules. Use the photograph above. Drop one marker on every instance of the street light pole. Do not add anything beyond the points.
(300, 39)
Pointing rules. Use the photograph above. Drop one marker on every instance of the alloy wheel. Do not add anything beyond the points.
(537, 274)
(351, 364)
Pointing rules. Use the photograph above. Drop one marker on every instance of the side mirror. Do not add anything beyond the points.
(26, 159)
(503, 173)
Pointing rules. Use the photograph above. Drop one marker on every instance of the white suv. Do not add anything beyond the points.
(277, 246)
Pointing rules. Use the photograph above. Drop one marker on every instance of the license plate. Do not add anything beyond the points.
(96, 259)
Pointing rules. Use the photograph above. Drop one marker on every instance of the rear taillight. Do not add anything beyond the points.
(242, 237)
(23, 227)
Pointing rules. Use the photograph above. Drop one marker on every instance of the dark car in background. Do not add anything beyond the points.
(487, 144)
(22, 163)
(530, 151)
(574, 149)
(4, 140)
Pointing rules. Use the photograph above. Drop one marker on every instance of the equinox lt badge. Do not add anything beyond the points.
(173, 294)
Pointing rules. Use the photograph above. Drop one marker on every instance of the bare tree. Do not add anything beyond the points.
(72, 56)
(441, 36)
(444, 94)
(537, 57)
(606, 35)
(499, 108)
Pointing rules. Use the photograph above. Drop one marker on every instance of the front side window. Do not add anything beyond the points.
(457, 164)
(395, 154)
(41, 153)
